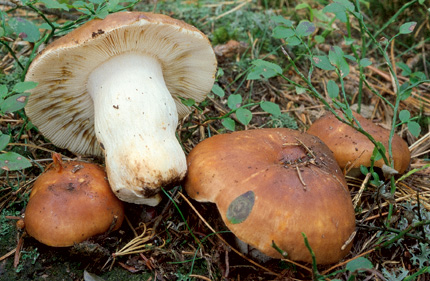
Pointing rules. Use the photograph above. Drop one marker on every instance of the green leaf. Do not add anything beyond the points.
(406, 71)
(359, 263)
(4, 141)
(404, 93)
(188, 102)
(337, 9)
(417, 76)
(334, 8)
(21, 87)
(336, 58)
(376, 154)
(302, 6)
(217, 90)
(349, 57)
(219, 73)
(375, 178)
(228, 123)
(335, 55)
(102, 12)
(234, 101)
(26, 30)
(348, 113)
(323, 62)
(52, 4)
(407, 28)
(364, 170)
(114, 5)
(263, 69)
(332, 89)
(244, 116)
(11, 161)
(45, 26)
(271, 108)
(240, 208)
(3, 91)
(293, 41)
(346, 4)
(342, 17)
(365, 62)
(414, 128)
(14, 103)
(404, 115)
(319, 39)
(305, 28)
(79, 4)
(282, 20)
(282, 32)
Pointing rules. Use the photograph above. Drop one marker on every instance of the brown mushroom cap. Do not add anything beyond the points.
(273, 185)
(70, 203)
(353, 149)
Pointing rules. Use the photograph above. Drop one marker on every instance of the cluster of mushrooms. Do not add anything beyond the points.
(113, 87)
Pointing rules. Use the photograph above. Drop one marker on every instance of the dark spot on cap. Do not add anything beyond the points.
(95, 34)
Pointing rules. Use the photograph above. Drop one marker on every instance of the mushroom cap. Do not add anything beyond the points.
(353, 149)
(60, 105)
(269, 187)
(70, 203)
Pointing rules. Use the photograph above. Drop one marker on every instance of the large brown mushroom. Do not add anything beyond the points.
(353, 149)
(272, 185)
(71, 202)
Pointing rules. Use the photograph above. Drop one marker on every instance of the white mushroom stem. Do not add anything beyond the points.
(135, 121)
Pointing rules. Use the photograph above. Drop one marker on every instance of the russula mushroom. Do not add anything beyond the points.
(272, 185)
(115, 85)
(353, 149)
(71, 202)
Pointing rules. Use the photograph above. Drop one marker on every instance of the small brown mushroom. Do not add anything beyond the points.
(71, 202)
(353, 149)
(272, 185)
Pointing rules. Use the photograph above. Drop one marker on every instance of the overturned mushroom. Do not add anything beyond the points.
(272, 185)
(115, 85)
(353, 149)
(71, 202)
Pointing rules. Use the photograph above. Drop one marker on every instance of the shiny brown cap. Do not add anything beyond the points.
(273, 185)
(70, 203)
(353, 149)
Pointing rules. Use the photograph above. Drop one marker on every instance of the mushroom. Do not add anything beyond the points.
(114, 87)
(71, 202)
(353, 149)
(272, 185)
